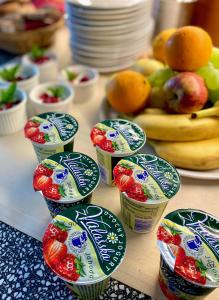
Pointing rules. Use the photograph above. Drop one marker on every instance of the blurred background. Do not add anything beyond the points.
(99, 33)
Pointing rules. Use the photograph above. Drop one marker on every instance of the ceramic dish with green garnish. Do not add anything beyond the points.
(52, 96)
(12, 108)
(46, 61)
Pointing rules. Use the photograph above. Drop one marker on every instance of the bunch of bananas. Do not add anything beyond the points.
(189, 141)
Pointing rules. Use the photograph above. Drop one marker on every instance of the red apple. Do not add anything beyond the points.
(185, 93)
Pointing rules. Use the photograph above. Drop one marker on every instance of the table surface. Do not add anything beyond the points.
(26, 210)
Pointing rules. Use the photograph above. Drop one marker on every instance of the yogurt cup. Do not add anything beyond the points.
(66, 179)
(146, 183)
(51, 133)
(189, 248)
(115, 139)
(89, 243)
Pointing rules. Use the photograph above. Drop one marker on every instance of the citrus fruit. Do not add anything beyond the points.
(128, 91)
(159, 44)
(188, 49)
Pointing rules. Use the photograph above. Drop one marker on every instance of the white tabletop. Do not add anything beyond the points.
(25, 209)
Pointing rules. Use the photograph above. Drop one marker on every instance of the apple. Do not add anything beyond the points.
(147, 66)
(185, 93)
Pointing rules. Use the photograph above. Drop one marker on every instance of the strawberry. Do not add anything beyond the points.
(44, 170)
(97, 136)
(191, 269)
(31, 124)
(136, 192)
(41, 182)
(169, 235)
(57, 231)
(124, 182)
(53, 192)
(54, 252)
(39, 138)
(120, 169)
(180, 255)
(31, 131)
(107, 146)
(70, 268)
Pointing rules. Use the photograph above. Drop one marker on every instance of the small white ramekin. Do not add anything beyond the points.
(84, 91)
(48, 71)
(39, 107)
(29, 70)
(13, 119)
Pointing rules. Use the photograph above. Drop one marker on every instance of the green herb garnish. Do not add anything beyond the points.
(7, 95)
(71, 75)
(9, 74)
(37, 52)
(58, 91)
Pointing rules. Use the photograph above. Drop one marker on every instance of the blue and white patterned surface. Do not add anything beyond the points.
(23, 274)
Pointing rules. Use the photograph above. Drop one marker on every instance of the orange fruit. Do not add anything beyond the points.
(188, 49)
(159, 44)
(128, 91)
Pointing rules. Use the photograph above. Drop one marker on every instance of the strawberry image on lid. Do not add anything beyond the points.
(74, 250)
(146, 178)
(51, 129)
(66, 177)
(118, 137)
(188, 241)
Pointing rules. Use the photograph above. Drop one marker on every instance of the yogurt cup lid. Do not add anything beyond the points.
(51, 129)
(188, 240)
(66, 177)
(84, 244)
(146, 178)
(118, 137)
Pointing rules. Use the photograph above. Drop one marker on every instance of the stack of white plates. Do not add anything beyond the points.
(109, 35)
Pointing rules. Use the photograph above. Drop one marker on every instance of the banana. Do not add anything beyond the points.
(198, 155)
(177, 127)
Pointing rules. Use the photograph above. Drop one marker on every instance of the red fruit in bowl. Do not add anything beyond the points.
(54, 252)
(70, 268)
(57, 231)
(41, 60)
(41, 182)
(85, 79)
(185, 93)
(124, 182)
(41, 169)
(119, 169)
(52, 192)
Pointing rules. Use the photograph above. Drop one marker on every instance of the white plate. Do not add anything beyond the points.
(108, 4)
(106, 112)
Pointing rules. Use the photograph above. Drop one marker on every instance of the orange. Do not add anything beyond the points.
(159, 44)
(128, 91)
(188, 49)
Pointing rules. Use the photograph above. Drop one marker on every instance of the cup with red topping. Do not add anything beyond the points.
(12, 108)
(189, 251)
(146, 183)
(51, 133)
(46, 61)
(83, 246)
(51, 96)
(66, 179)
(115, 139)
(26, 76)
(83, 80)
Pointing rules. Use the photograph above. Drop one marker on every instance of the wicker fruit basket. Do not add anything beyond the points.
(22, 41)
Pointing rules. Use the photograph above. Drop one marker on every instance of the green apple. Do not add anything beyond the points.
(147, 66)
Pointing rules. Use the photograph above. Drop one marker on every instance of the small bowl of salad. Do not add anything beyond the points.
(83, 79)
(45, 60)
(52, 96)
(25, 75)
(12, 108)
